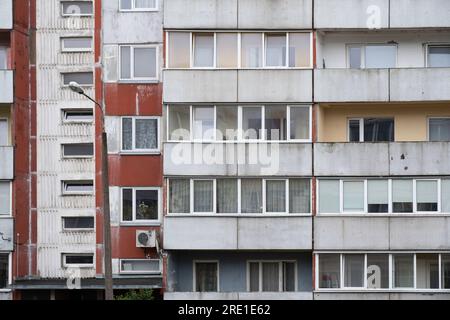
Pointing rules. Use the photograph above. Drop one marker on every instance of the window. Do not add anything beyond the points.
(138, 5)
(206, 276)
(377, 271)
(140, 134)
(4, 270)
(300, 50)
(227, 196)
(3, 57)
(403, 270)
(251, 196)
(227, 50)
(203, 123)
(203, 196)
(300, 118)
(78, 150)
(353, 196)
(78, 115)
(275, 50)
(78, 223)
(427, 195)
(77, 8)
(179, 50)
(227, 123)
(354, 270)
(439, 129)
(427, 271)
(4, 132)
(275, 123)
(372, 56)
(402, 196)
(445, 195)
(272, 276)
(81, 260)
(329, 271)
(179, 123)
(445, 267)
(276, 196)
(140, 204)
(329, 196)
(78, 187)
(299, 196)
(76, 44)
(371, 130)
(251, 50)
(378, 196)
(140, 266)
(439, 56)
(204, 50)
(179, 195)
(5, 198)
(252, 123)
(82, 78)
(138, 63)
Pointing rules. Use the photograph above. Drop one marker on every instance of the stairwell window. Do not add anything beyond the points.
(5, 198)
(78, 187)
(82, 78)
(206, 276)
(78, 115)
(78, 223)
(78, 150)
(140, 134)
(77, 8)
(79, 260)
(138, 63)
(439, 129)
(272, 276)
(371, 130)
(438, 56)
(138, 5)
(372, 56)
(140, 205)
(76, 44)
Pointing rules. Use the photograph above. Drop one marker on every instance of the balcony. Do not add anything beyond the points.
(6, 14)
(238, 296)
(401, 14)
(190, 85)
(6, 234)
(237, 233)
(6, 163)
(238, 14)
(381, 295)
(6, 85)
(237, 159)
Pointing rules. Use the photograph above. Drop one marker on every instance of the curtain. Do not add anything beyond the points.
(144, 62)
(299, 196)
(254, 276)
(299, 50)
(276, 196)
(329, 271)
(125, 62)
(251, 196)
(445, 192)
(146, 134)
(203, 196)
(288, 276)
(402, 191)
(179, 196)
(127, 134)
(427, 191)
(206, 277)
(227, 196)
(299, 122)
(271, 276)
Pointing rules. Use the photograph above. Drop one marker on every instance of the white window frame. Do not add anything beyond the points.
(121, 271)
(76, 229)
(363, 54)
(280, 274)
(8, 129)
(63, 146)
(69, 110)
(81, 266)
(9, 282)
(134, 150)
(134, 221)
(194, 277)
(427, 52)
(134, 9)
(428, 124)
(77, 15)
(10, 200)
(69, 50)
(64, 184)
(132, 77)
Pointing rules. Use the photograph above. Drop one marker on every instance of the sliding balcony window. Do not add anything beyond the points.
(5, 198)
(438, 56)
(377, 272)
(140, 205)
(140, 134)
(239, 123)
(76, 44)
(354, 270)
(4, 132)
(77, 8)
(272, 276)
(4, 270)
(439, 129)
(234, 50)
(239, 196)
(329, 271)
(445, 271)
(375, 196)
(403, 270)
(206, 276)
(372, 56)
(371, 130)
(427, 273)
(3, 57)
(138, 5)
(138, 63)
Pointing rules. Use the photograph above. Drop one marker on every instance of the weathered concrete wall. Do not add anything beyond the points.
(237, 233)
(6, 163)
(381, 233)
(6, 14)
(6, 83)
(266, 296)
(7, 229)
(420, 14)
(380, 296)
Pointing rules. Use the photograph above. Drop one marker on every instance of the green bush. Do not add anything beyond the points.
(141, 294)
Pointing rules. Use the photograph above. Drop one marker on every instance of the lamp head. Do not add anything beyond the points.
(75, 87)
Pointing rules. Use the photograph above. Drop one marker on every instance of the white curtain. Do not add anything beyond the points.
(203, 196)
(299, 196)
(445, 191)
(254, 276)
(227, 196)
(288, 276)
(146, 134)
(206, 277)
(179, 196)
(276, 196)
(271, 276)
(251, 196)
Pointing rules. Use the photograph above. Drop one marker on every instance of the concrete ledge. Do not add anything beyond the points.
(380, 296)
(238, 296)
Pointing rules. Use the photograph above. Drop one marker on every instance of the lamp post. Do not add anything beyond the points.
(75, 87)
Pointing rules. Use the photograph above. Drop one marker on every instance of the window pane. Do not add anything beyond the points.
(203, 123)
(204, 50)
(4, 270)
(4, 132)
(126, 4)
(299, 196)
(354, 270)
(378, 130)
(79, 222)
(445, 259)
(354, 54)
(289, 276)
(77, 43)
(127, 134)
(329, 271)
(403, 270)
(427, 196)
(381, 56)
(251, 196)
(252, 122)
(353, 196)
(146, 204)
(445, 194)
(276, 122)
(203, 196)
(299, 50)
(227, 196)
(127, 205)
(439, 129)
(251, 46)
(78, 150)
(79, 259)
(354, 130)
(179, 49)
(78, 186)
(77, 7)
(3, 57)
(145, 62)
(227, 123)
(179, 122)
(378, 196)
(145, 4)
(125, 62)
(254, 276)
(377, 271)
(206, 277)
(275, 196)
(179, 196)
(270, 277)
(276, 50)
(299, 121)
(227, 50)
(5, 198)
(82, 78)
(146, 134)
(79, 115)
(402, 195)
(143, 266)
(439, 57)
(329, 201)
(427, 271)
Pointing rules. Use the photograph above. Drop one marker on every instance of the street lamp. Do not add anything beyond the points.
(75, 87)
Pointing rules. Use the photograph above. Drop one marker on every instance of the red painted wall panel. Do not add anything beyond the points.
(135, 171)
(132, 99)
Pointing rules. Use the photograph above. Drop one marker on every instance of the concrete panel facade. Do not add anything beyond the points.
(6, 163)
(6, 14)
(266, 296)
(6, 83)
(380, 296)
(420, 14)
(7, 237)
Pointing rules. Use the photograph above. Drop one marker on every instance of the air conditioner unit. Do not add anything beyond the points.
(145, 239)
